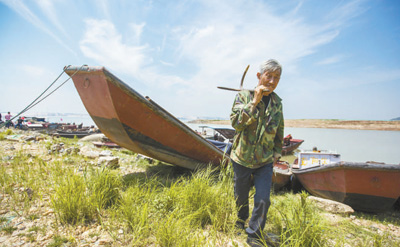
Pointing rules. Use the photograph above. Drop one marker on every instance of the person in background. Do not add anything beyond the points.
(7, 118)
(19, 123)
(257, 118)
(1, 120)
(286, 140)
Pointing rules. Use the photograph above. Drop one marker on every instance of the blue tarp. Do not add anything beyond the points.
(225, 147)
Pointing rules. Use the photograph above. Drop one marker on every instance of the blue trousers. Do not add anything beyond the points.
(262, 178)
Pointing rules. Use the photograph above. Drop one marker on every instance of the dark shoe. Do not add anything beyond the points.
(270, 240)
(239, 227)
(254, 242)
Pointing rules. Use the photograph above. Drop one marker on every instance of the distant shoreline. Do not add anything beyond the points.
(324, 123)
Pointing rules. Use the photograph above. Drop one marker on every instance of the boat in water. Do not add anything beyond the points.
(290, 146)
(368, 187)
(138, 123)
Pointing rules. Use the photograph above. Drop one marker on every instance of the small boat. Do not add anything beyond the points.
(219, 134)
(106, 144)
(68, 127)
(367, 187)
(294, 144)
(281, 176)
(72, 134)
(35, 119)
(52, 126)
(138, 123)
(35, 126)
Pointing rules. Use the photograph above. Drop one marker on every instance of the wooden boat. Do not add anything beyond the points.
(218, 134)
(293, 145)
(52, 126)
(73, 134)
(106, 144)
(35, 126)
(281, 176)
(366, 187)
(138, 123)
(68, 127)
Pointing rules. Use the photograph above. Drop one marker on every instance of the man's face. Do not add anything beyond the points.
(269, 79)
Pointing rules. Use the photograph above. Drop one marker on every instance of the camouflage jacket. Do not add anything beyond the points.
(259, 134)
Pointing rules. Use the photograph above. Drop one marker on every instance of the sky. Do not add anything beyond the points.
(340, 59)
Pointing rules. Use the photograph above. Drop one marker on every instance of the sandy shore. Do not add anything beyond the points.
(325, 123)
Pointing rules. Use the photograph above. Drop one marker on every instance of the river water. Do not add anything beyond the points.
(352, 145)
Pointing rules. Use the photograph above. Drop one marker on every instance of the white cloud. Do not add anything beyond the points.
(103, 5)
(180, 51)
(219, 42)
(50, 11)
(34, 71)
(331, 60)
(137, 31)
(27, 14)
(103, 43)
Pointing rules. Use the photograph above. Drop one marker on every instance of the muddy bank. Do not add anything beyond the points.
(325, 123)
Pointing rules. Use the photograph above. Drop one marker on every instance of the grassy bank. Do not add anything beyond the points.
(52, 194)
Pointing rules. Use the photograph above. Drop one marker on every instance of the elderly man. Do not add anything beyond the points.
(258, 120)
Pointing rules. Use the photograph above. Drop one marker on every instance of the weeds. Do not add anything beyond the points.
(157, 205)
(298, 222)
(72, 201)
(105, 186)
(5, 133)
(9, 229)
(58, 241)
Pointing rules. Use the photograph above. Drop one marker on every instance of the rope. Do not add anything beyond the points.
(34, 103)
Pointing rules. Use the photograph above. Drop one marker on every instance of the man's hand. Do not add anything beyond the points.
(259, 92)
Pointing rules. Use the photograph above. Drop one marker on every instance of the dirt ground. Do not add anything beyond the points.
(326, 124)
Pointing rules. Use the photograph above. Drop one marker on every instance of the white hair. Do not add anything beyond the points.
(270, 65)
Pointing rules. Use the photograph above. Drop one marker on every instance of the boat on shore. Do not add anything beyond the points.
(281, 176)
(73, 134)
(108, 144)
(218, 133)
(138, 123)
(368, 187)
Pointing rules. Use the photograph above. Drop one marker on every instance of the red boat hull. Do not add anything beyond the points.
(281, 175)
(363, 186)
(294, 144)
(139, 124)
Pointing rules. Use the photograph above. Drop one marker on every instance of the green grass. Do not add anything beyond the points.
(297, 221)
(58, 241)
(72, 201)
(160, 205)
(5, 133)
(8, 229)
